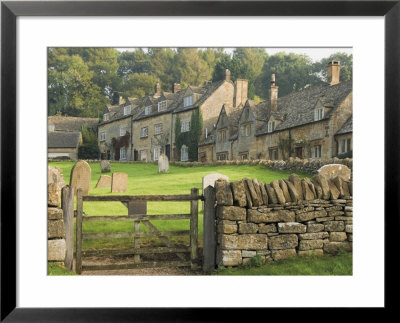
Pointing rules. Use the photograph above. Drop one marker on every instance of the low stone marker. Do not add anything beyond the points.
(119, 182)
(104, 181)
(333, 170)
(211, 178)
(105, 166)
(163, 164)
(137, 207)
(80, 177)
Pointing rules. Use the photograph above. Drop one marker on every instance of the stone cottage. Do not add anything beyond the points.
(315, 122)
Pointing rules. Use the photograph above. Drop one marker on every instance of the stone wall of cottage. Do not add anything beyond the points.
(56, 245)
(286, 218)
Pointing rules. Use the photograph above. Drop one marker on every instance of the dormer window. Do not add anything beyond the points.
(147, 110)
(271, 125)
(127, 110)
(245, 130)
(106, 117)
(162, 106)
(188, 101)
(222, 135)
(318, 114)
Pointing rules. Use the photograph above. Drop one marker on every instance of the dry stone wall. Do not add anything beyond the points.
(284, 218)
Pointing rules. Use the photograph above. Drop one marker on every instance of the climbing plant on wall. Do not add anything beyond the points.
(117, 144)
(189, 138)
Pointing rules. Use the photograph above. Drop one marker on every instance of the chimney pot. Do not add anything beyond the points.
(333, 72)
(273, 94)
(157, 90)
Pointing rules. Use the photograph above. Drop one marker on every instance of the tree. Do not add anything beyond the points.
(138, 85)
(163, 66)
(131, 62)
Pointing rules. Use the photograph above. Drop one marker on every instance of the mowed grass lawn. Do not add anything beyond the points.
(143, 178)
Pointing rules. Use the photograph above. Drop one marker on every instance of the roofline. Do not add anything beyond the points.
(110, 121)
(301, 125)
(152, 115)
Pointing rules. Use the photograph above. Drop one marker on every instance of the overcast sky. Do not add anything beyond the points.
(315, 53)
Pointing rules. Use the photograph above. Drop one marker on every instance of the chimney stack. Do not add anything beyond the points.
(333, 72)
(273, 94)
(157, 90)
(241, 89)
(177, 87)
(227, 75)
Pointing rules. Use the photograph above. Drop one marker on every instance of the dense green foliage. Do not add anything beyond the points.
(82, 81)
(89, 148)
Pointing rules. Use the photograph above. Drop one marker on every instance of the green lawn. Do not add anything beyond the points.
(301, 266)
(143, 178)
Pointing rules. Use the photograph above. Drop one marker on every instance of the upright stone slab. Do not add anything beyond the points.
(80, 177)
(137, 207)
(119, 182)
(105, 166)
(163, 164)
(333, 170)
(104, 181)
(209, 180)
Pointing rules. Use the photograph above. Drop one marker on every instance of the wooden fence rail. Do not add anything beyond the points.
(135, 249)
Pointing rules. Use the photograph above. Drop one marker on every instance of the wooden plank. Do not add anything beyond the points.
(167, 242)
(194, 204)
(132, 251)
(127, 198)
(136, 241)
(209, 232)
(137, 217)
(79, 216)
(67, 204)
(111, 235)
(153, 264)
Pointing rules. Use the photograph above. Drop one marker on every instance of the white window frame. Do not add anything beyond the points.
(144, 132)
(143, 154)
(122, 131)
(185, 126)
(147, 110)
(106, 117)
(246, 130)
(222, 156)
(162, 106)
(316, 151)
(102, 136)
(158, 128)
(271, 125)
(222, 135)
(156, 153)
(127, 110)
(184, 153)
(122, 153)
(188, 101)
(318, 114)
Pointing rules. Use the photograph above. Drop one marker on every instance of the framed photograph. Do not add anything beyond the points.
(41, 38)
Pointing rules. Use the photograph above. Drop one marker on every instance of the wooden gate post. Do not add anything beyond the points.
(79, 219)
(67, 204)
(209, 239)
(194, 213)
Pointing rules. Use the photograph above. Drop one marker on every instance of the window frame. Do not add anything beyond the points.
(125, 110)
(271, 126)
(155, 129)
(146, 128)
(162, 106)
(318, 114)
(147, 110)
(122, 133)
(143, 152)
(102, 136)
(122, 149)
(185, 148)
(188, 101)
(183, 126)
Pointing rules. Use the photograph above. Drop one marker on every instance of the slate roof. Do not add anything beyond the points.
(117, 112)
(71, 124)
(347, 127)
(63, 139)
(205, 92)
(298, 108)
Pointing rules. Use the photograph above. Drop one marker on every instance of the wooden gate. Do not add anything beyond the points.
(139, 219)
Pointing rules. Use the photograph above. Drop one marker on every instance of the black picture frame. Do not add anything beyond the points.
(10, 10)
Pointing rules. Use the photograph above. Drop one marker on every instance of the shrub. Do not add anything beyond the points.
(89, 151)
(349, 154)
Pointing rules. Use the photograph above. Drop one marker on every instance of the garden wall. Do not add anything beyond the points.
(283, 219)
(308, 166)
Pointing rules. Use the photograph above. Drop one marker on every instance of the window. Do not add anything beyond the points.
(127, 110)
(102, 136)
(273, 154)
(345, 145)
(158, 128)
(185, 126)
(143, 155)
(318, 114)
(106, 117)
(50, 127)
(162, 106)
(245, 130)
(156, 153)
(243, 156)
(222, 135)
(184, 153)
(143, 132)
(222, 156)
(271, 126)
(316, 151)
(188, 101)
(147, 110)
(122, 153)
(122, 131)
